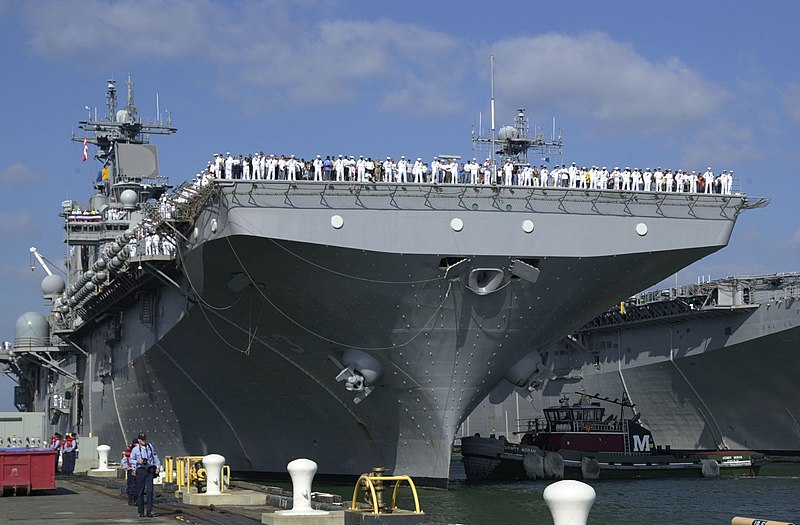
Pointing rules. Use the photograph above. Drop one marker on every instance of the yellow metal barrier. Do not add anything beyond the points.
(189, 472)
(169, 469)
(369, 481)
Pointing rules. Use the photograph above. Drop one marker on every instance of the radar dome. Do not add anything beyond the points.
(52, 284)
(129, 198)
(32, 326)
(507, 133)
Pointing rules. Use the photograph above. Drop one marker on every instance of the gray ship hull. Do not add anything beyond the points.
(235, 346)
(723, 378)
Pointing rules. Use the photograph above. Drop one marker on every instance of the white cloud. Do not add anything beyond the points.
(337, 61)
(18, 174)
(604, 81)
(265, 52)
(147, 28)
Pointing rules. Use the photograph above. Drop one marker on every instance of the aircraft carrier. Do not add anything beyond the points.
(356, 324)
(710, 366)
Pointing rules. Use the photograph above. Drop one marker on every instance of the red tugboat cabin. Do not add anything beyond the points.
(585, 427)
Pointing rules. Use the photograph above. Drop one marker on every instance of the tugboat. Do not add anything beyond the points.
(581, 441)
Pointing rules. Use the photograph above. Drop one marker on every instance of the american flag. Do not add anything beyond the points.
(85, 149)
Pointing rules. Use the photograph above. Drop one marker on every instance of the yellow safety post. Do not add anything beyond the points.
(169, 469)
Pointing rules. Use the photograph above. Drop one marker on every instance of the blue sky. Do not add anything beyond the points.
(681, 84)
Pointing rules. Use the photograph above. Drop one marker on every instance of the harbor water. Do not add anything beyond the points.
(657, 501)
(682, 501)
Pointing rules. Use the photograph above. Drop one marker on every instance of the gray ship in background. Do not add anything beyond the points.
(356, 324)
(710, 366)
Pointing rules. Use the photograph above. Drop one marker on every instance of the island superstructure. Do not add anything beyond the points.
(356, 324)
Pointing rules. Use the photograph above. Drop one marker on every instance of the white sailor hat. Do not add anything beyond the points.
(402, 156)
(473, 158)
(318, 156)
(573, 163)
(419, 158)
(361, 156)
(388, 158)
(340, 156)
(708, 168)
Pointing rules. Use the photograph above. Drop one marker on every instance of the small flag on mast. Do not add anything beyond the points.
(85, 149)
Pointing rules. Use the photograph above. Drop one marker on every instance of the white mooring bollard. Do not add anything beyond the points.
(569, 502)
(102, 453)
(213, 464)
(302, 472)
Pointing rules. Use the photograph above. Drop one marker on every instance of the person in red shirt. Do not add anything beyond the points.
(55, 444)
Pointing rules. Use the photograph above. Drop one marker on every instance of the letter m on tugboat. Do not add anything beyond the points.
(641, 443)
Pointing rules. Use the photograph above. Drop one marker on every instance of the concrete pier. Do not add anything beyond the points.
(82, 499)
